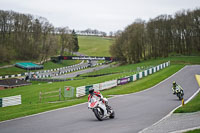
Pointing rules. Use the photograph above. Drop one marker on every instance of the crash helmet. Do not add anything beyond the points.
(91, 90)
(174, 83)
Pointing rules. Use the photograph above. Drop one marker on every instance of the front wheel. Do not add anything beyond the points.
(180, 96)
(98, 114)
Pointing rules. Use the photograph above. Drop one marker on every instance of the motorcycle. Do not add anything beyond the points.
(179, 93)
(99, 108)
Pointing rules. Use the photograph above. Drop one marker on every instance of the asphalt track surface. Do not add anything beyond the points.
(134, 112)
(53, 73)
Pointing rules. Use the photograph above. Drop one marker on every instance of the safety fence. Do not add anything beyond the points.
(57, 95)
(44, 95)
(83, 90)
(10, 101)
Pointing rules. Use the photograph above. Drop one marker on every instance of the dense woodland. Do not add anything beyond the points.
(159, 37)
(27, 37)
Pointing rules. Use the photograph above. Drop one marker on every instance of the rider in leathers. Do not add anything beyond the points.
(176, 87)
(98, 94)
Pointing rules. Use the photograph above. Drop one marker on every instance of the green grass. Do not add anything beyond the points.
(13, 62)
(194, 131)
(94, 46)
(192, 106)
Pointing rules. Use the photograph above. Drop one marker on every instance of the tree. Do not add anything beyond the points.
(159, 37)
(75, 41)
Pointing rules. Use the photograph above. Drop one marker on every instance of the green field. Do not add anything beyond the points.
(94, 46)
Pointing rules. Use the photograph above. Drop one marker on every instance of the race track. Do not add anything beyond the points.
(134, 112)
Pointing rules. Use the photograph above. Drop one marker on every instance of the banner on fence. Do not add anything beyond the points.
(123, 81)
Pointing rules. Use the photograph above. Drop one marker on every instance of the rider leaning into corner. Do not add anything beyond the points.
(176, 87)
(98, 94)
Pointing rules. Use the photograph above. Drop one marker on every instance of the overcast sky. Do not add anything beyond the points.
(104, 15)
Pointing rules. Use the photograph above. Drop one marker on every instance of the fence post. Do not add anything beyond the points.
(59, 94)
(40, 96)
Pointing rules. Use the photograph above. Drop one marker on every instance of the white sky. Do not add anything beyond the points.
(104, 15)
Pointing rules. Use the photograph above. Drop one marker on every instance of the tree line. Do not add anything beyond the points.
(159, 37)
(91, 32)
(27, 37)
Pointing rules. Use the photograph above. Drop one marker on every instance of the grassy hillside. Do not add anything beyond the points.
(89, 45)
(94, 46)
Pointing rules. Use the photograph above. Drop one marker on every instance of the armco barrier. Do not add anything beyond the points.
(83, 90)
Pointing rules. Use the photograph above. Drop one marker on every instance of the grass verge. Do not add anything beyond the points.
(192, 106)
(194, 131)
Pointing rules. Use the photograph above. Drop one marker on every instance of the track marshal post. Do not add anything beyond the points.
(183, 102)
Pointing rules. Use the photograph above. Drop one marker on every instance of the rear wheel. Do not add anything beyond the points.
(98, 113)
